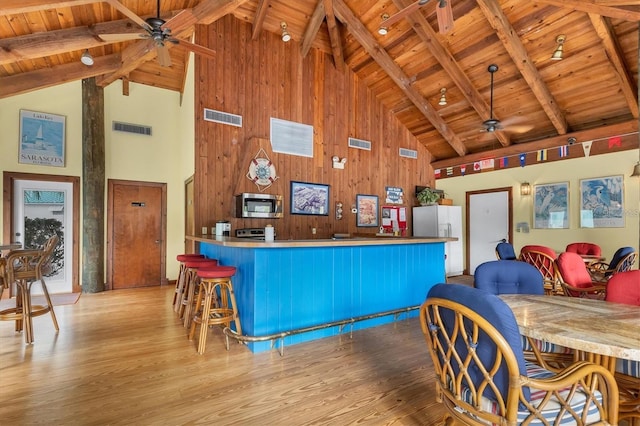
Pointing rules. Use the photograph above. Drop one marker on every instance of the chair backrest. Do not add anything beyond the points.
(589, 249)
(542, 258)
(622, 260)
(624, 287)
(508, 277)
(572, 270)
(540, 249)
(505, 251)
(475, 345)
(28, 264)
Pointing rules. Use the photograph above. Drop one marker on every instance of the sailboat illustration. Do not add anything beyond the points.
(38, 145)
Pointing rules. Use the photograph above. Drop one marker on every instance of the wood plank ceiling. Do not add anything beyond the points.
(591, 93)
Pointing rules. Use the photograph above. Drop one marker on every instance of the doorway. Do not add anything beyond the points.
(37, 205)
(136, 234)
(489, 221)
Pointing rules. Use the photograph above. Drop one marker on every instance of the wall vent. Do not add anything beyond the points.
(132, 128)
(359, 144)
(289, 137)
(409, 153)
(222, 117)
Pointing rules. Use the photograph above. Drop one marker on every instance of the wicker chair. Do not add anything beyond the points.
(482, 376)
(587, 249)
(25, 267)
(515, 277)
(623, 260)
(625, 288)
(575, 279)
(542, 258)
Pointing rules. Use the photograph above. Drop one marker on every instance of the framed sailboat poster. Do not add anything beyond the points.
(41, 138)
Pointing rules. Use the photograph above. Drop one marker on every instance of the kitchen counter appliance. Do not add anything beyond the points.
(252, 233)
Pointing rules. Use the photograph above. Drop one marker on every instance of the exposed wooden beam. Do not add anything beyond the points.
(313, 26)
(629, 90)
(426, 33)
(598, 7)
(14, 7)
(509, 37)
(334, 35)
(258, 20)
(624, 128)
(377, 52)
(48, 77)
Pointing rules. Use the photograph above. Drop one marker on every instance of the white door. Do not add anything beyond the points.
(42, 208)
(489, 221)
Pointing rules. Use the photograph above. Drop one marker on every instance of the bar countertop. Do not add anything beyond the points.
(338, 242)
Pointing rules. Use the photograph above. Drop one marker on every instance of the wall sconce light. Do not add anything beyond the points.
(525, 188)
(383, 30)
(558, 53)
(86, 58)
(338, 163)
(338, 210)
(285, 34)
(443, 97)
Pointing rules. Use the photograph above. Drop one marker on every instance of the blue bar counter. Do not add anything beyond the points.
(290, 284)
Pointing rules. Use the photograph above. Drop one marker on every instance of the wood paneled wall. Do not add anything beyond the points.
(265, 78)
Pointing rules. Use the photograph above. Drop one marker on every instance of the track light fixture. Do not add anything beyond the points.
(559, 52)
(86, 58)
(383, 30)
(285, 34)
(443, 97)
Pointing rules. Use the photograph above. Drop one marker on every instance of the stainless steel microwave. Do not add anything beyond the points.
(266, 206)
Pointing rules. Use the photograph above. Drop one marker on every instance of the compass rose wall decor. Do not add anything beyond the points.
(262, 172)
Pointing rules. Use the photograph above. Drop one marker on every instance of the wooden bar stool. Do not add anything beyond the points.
(180, 282)
(185, 311)
(216, 303)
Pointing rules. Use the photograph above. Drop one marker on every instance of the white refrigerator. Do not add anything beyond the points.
(442, 221)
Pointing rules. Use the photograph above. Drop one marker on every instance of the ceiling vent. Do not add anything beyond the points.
(222, 117)
(138, 129)
(409, 153)
(291, 138)
(359, 144)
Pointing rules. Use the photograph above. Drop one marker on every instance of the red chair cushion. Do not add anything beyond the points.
(573, 270)
(589, 249)
(189, 256)
(217, 272)
(624, 287)
(201, 263)
(542, 249)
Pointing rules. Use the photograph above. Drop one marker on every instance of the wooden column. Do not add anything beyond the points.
(93, 181)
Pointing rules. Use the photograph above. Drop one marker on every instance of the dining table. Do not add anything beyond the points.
(598, 331)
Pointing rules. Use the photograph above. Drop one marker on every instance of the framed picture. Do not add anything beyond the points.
(367, 206)
(551, 206)
(41, 138)
(309, 198)
(601, 202)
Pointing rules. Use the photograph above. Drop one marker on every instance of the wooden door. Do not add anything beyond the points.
(136, 231)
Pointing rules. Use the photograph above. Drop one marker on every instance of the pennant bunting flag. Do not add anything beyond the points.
(437, 173)
(586, 147)
(476, 166)
(463, 169)
(615, 141)
(563, 151)
(449, 171)
(542, 155)
(487, 164)
(523, 160)
(504, 162)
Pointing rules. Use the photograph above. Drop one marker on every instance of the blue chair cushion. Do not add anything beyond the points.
(496, 312)
(508, 277)
(628, 367)
(505, 251)
(620, 254)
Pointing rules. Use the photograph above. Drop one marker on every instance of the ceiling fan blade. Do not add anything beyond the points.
(129, 14)
(445, 16)
(515, 125)
(164, 59)
(123, 36)
(401, 14)
(196, 48)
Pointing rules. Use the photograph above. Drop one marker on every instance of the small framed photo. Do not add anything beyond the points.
(601, 202)
(309, 198)
(551, 206)
(367, 206)
(41, 138)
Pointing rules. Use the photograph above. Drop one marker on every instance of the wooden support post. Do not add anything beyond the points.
(93, 182)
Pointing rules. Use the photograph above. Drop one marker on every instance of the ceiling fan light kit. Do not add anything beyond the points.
(559, 52)
(285, 34)
(443, 97)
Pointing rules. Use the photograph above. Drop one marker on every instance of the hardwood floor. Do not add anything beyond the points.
(122, 357)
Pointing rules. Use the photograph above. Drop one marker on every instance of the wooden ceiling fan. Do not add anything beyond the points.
(158, 32)
(443, 13)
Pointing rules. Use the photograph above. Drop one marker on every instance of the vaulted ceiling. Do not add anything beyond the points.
(591, 93)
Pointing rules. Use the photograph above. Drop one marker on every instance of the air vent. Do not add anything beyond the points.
(132, 128)
(222, 117)
(359, 144)
(291, 138)
(408, 153)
